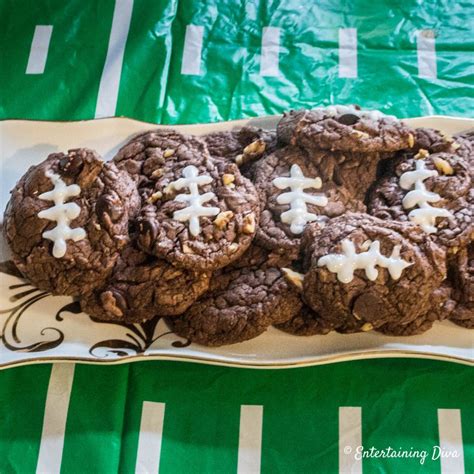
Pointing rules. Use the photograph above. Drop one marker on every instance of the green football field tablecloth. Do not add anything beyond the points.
(194, 61)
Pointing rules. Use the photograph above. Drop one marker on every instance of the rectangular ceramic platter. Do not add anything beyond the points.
(32, 333)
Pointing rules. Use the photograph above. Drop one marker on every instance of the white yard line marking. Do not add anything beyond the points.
(110, 80)
(150, 438)
(425, 43)
(269, 61)
(191, 64)
(350, 437)
(250, 439)
(348, 52)
(39, 49)
(450, 441)
(55, 416)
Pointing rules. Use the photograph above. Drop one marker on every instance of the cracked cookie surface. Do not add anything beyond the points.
(344, 128)
(142, 287)
(462, 280)
(306, 323)
(241, 304)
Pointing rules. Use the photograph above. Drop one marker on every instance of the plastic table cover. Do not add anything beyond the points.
(200, 61)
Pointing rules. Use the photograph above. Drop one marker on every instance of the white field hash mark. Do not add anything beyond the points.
(426, 52)
(269, 61)
(55, 417)
(150, 438)
(110, 81)
(250, 439)
(426, 215)
(345, 264)
(192, 51)
(298, 216)
(348, 52)
(195, 210)
(39, 49)
(63, 213)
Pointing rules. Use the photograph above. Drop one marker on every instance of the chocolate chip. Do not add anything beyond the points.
(348, 119)
(106, 204)
(369, 307)
(149, 230)
(71, 165)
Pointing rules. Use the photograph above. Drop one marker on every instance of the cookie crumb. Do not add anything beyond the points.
(249, 224)
(158, 173)
(422, 154)
(443, 166)
(233, 247)
(168, 189)
(255, 148)
(367, 327)
(295, 278)
(168, 152)
(154, 197)
(187, 249)
(222, 219)
(360, 134)
(228, 179)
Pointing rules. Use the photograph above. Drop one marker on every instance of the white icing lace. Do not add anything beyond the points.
(345, 264)
(195, 210)
(298, 216)
(63, 213)
(426, 215)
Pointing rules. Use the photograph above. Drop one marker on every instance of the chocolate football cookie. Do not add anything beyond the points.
(462, 280)
(197, 212)
(67, 220)
(344, 128)
(433, 191)
(292, 194)
(240, 305)
(363, 272)
(142, 287)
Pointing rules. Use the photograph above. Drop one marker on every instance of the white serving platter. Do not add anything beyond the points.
(36, 327)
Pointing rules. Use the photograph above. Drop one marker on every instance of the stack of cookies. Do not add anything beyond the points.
(341, 219)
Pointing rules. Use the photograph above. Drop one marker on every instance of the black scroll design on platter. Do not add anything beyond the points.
(24, 297)
(137, 339)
